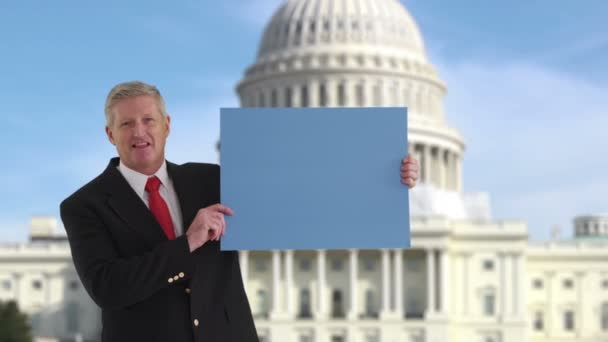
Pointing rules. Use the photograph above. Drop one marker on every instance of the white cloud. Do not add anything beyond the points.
(535, 140)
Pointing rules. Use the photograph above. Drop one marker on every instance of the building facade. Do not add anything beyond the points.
(467, 277)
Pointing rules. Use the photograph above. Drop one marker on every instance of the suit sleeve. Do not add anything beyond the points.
(114, 282)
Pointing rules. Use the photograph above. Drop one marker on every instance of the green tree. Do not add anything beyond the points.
(14, 325)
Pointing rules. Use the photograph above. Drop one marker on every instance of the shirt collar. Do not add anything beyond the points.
(138, 180)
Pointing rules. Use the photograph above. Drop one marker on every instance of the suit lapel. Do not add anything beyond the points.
(123, 200)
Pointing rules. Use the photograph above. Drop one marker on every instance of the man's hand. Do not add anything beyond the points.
(409, 171)
(208, 225)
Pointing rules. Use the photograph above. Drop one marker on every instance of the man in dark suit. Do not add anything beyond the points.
(145, 235)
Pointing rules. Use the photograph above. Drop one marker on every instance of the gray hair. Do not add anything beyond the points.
(131, 89)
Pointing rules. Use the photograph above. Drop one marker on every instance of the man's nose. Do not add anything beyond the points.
(139, 130)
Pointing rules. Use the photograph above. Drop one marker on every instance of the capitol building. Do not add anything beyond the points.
(468, 277)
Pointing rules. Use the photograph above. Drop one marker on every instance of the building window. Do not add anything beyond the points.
(37, 284)
(539, 323)
(370, 305)
(337, 265)
(341, 95)
(305, 311)
(372, 337)
(72, 318)
(306, 338)
(273, 98)
(369, 264)
(360, 95)
(305, 264)
(262, 299)
(337, 304)
(568, 283)
(488, 265)
(605, 284)
(377, 95)
(413, 265)
(73, 285)
(537, 284)
(337, 338)
(569, 320)
(288, 97)
(6, 284)
(413, 306)
(304, 97)
(261, 100)
(604, 317)
(260, 265)
(489, 304)
(323, 95)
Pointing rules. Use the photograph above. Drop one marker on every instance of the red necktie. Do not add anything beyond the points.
(159, 208)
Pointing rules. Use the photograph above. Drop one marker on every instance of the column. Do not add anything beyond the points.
(276, 283)
(442, 168)
(449, 176)
(331, 89)
(519, 290)
(386, 294)
(398, 264)
(579, 319)
(289, 298)
(430, 280)
(549, 307)
(244, 262)
(444, 269)
(426, 161)
(322, 297)
(354, 307)
(313, 93)
(466, 286)
(47, 288)
(458, 165)
(17, 278)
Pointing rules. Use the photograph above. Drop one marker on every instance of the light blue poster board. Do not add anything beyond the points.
(314, 178)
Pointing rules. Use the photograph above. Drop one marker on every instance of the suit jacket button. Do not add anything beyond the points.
(170, 280)
(188, 290)
(181, 274)
(175, 278)
(196, 322)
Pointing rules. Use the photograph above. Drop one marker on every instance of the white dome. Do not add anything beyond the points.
(367, 24)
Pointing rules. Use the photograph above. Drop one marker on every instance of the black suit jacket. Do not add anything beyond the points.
(150, 288)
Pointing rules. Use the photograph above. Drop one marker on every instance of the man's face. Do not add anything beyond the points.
(139, 132)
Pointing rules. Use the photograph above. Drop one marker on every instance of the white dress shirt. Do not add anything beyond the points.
(167, 191)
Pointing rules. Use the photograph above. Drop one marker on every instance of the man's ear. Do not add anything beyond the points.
(168, 123)
(110, 135)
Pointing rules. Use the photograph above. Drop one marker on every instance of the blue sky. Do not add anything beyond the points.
(527, 84)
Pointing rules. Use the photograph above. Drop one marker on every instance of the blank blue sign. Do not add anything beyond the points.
(314, 178)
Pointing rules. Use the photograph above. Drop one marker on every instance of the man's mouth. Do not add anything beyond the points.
(141, 145)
